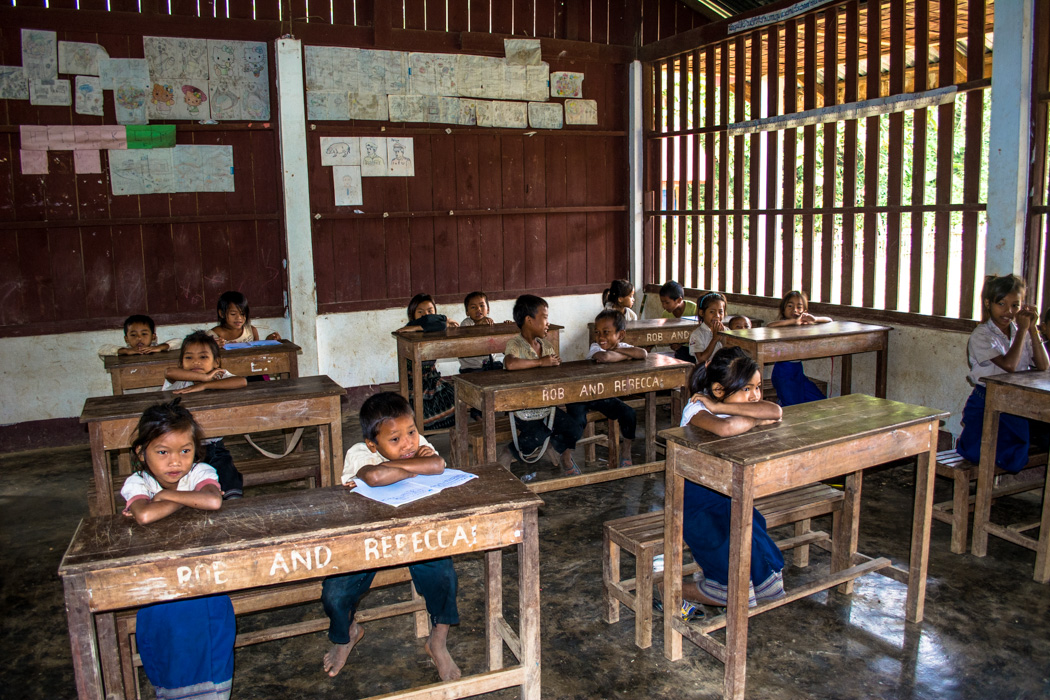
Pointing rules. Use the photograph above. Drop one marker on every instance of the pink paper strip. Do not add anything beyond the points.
(112, 137)
(33, 138)
(87, 137)
(61, 138)
(85, 162)
(34, 162)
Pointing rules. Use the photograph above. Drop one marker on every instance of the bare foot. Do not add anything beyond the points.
(335, 659)
(436, 649)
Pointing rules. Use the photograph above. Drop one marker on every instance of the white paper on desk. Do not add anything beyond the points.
(413, 489)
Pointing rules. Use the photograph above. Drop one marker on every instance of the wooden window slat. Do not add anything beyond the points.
(772, 153)
(790, 136)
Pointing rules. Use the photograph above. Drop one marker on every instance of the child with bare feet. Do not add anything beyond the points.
(393, 450)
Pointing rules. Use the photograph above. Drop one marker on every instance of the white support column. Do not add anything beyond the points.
(1009, 141)
(291, 109)
(635, 159)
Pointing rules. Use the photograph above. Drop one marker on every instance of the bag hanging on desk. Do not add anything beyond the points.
(531, 415)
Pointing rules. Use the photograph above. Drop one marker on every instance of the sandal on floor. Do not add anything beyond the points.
(626, 462)
(573, 470)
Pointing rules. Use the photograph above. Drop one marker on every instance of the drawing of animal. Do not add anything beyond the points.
(163, 97)
(223, 58)
(130, 96)
(339, 149)
(255, 60)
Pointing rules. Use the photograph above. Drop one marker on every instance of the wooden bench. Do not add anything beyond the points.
(956, 512)
(263, 600)
(643, 536)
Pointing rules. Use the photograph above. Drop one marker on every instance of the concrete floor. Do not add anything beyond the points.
(986, 632)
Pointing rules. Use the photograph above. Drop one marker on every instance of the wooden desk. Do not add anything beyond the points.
(451, 343)
(569, 382)
(655, 331)
(815, 441)
(843, 338)
(1025, 394)
(292, 403)
(112, 563)
(142, 371)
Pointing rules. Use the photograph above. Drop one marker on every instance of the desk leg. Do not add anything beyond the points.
(674, 487)
(459, 443)
(488, 420)
(650, 427)
(86, 662)
(922, 517)
(881, 363)
(529, 587)
(844, 542)
(109, 652)
(104, 503)
(982, 508)
(330, 445)
(1042, 549)
(118, 383)
(740, 523)
(494, 607)
(846, 385)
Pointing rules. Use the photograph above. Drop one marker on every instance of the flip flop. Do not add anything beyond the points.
(573, 470)
(689, 611)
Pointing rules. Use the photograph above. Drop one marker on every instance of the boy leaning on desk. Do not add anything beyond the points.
(393, 450)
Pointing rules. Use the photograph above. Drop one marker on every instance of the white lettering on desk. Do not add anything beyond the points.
(672, 337)
(632, 384)
(555, 394)
(307, 559)
(216, 571)
(420, 541)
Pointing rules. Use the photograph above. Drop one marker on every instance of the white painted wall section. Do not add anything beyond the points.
(635, 159)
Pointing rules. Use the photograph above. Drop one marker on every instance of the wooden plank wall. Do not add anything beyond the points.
(1037, 238)
(839, 229)
(492, 209)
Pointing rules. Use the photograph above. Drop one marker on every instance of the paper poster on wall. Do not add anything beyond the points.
(340, 150)
(128, 78)
(545, 115)
(444, 110)
(150, 136)
(61, 138)
(79, 58)
(87, 162)
(373, 156)
(432, 74)
(177, 57)
(347, 182)
(13, 83)
(203, 168)
(175, 98)
(32, 137)
(408, 108)
(141, 171)
(402, 155)
(522, 52)
(361, 106)
(537, 83)
(566, 84)
(468, 112)
(39, 54)
(33, 162)
(50, 92)
(328, 105)
(88, 95)
(584, 112)
(330, 68)
(240, 84)
(514, 82)
(503, 114)
(381, 72)
(481, 76)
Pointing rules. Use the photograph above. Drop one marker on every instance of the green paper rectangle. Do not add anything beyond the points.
(151, 135)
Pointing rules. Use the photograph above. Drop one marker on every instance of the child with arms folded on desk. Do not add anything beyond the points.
(674, 304)
(476, 304)
(200, 370)
(1007, 341)
(235, 321)
(439, 397)
(609, 329)
(393, 450)
(788, 378)
(140, 338)
(704, 341)
(727, 401)
(620, 297)
(186, 645)
(537, 431)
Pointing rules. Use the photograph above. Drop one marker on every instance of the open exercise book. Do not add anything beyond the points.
(413, 489)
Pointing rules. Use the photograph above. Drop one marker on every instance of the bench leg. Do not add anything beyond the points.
(643, 598)
(421, 617)
(590, 455)
(614, 443)
(1042, 550)
(801, 554)
(610, 577)
(960, 510)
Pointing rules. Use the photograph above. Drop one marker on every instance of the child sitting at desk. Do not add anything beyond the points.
(704, 342)
(739, 323)
(186, 645)
(1007, 341)
(439, 397)
(674, 304)
(609, 330)
(140, 338)
(537, 431)
(393, 450)
(200, 370)
(788, 378)
(476, 304)
(620, 297)
(235, 321)
(727, 401)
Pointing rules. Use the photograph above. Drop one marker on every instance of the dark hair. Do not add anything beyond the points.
(617, 289)
(996, 288)
(416, 301)
(1046, 316)
(379, 408)
(710, 298)
(159, 420)
(202, 338)
(672, 290)
(617, 317)
(472, 295)
(525, 306)
(139, 318)
(793, 294)
(731, 367)
(228, 299)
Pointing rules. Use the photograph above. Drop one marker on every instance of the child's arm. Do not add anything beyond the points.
(512, 362)
(202, 382)
(757, 410)
(620, 355)
(228, 383)
(1009, 361)
(808, 319)
(1039, 355)
(426, 461)
(169, 500)
(723, 427)
(705, 354)
(781, 322)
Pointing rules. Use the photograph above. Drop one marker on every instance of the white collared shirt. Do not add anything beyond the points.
(986, 343)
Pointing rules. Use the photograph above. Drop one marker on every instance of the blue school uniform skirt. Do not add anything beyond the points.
(705, 528)
(792, 385)
(1011, 446)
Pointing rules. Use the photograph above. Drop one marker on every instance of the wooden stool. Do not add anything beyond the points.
(643, 536)
(956, 512)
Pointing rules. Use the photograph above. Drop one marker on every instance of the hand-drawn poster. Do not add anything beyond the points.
(361, 106)
(141, 171)
(111, 137)
(203, 168)
(402, 155)
(583, 112)
(340, 150)
(381, 72)
(177, 58)
(373, 156)
(328, 67)
(514, 82)
(445, 110)
(128, 78)
(176, 98)
(432, 74)
(537, 83)
(61, 138)
(408, 108)
(88, 97)
(347, 182)
(87, 162)
(566, 84)
(33, 162)
(50, 92)
(32, 137)
(13, 83)
(468, 112)
(545, 115)
(480, 76)
(39, 54)
(522, 52)
(240, 84)
(484, 112)
(507, 115)
(328, 105)
(79, 58)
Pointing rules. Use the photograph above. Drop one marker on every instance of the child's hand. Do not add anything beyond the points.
(695, 397)
(484, 322)
(214, 374)
(199, 386)
(150, 349)
(452, 324)
(274, 336)
(806, 319)
(767, 421)
(1025, 317)
(550, 361)
(220, 340)
(707, 401)
(425, 451)
(350, 485)
(717, 329)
